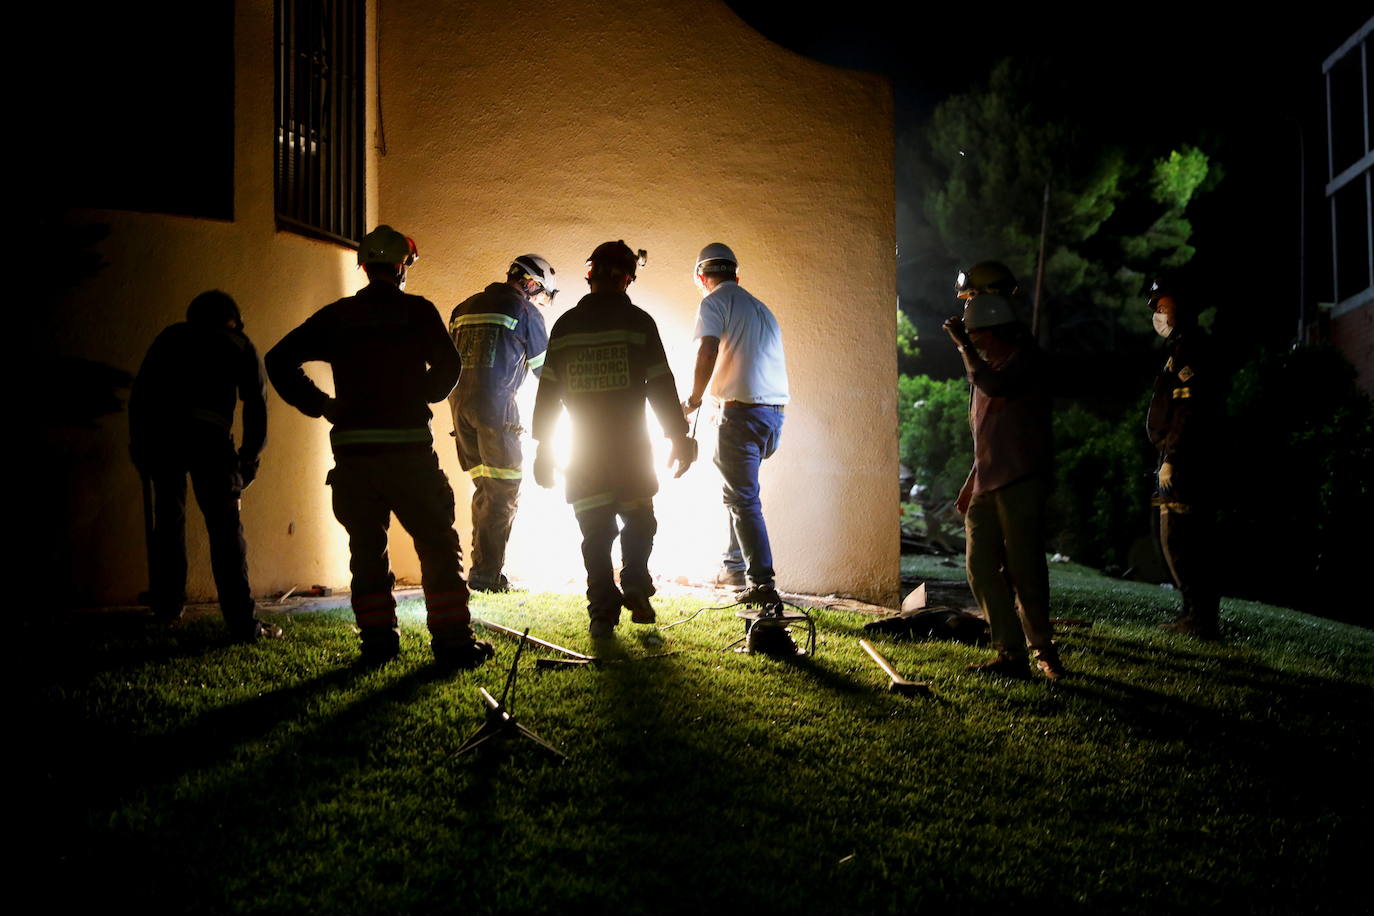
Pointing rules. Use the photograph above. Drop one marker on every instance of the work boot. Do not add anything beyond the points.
(730, 578)
(601, 627)
(483, 584)
(637, 603)
(764, 596)
(1004, 665)
(379, 646)
(461, 655)
(1049, 663)
(167, 614)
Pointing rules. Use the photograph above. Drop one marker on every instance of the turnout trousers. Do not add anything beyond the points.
(1005, 559)
(1185, 537)
(487, 432)
(216, 482)
(367, 489)
(636, 528)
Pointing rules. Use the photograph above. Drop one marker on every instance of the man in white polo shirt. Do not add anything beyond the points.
(740, 356)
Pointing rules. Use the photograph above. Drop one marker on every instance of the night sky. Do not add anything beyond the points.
(1246, 89)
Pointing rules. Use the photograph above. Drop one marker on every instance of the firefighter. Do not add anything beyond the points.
(740, 356)
(500, 335)
(605, 359)
(181, 415)
(1005, 496)
(391, 358)
(1182, 427)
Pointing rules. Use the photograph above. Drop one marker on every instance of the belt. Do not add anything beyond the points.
(777, 407)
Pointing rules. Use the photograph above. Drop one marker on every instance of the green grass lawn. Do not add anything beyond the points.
(163, 769)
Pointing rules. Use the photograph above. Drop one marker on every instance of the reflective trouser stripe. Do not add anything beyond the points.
(537, 361)
(463, 321)
(485, 470)
(446, 607)
(374, 610)
(656, 371)
(379, 436)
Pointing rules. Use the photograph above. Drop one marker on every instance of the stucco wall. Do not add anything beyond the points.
(669, 125)
(154, 266)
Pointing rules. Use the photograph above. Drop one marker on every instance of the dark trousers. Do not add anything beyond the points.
(1185, 536)
(367, 490)
(636, 529)
(748, 436)
(487, 432)
(217, 485)
(1005, 559)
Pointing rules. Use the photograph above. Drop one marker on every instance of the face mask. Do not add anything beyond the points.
(1161, 322)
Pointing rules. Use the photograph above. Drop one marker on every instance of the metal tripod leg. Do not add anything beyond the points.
(500, 720)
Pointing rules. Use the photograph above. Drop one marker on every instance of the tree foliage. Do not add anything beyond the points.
(978, 173)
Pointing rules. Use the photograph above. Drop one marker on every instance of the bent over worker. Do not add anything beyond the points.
(605, 360)
(500, 336)
(391, 358)
(181, 416)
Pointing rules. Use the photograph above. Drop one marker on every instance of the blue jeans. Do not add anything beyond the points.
(748, 435)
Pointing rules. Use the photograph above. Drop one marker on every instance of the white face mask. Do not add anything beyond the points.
(1161, 322)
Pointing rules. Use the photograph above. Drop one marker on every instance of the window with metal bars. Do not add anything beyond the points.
(321, 112)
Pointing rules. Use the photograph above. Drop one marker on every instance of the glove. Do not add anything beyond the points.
(684, 453)
(543, 466)
(1166, 475)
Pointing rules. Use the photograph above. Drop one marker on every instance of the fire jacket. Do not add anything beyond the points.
(1183, 416)
(605, 359)
(499, 334)
(391, 359)
(185, 394)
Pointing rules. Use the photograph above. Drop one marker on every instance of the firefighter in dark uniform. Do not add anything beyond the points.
(391, 358)
(181, 414)
(500, 336)
(605, 359)
(1182, 426)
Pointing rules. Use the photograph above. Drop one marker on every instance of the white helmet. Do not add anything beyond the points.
(717, 251)
(533, 267)
(987, 310)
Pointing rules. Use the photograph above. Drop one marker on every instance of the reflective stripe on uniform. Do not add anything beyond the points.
(549, 374)
(656, 371)
(376, 436)
(483, 470)
(1183, 393)
(537, 361)
(464, 321)
(593, 502)
(596, 339)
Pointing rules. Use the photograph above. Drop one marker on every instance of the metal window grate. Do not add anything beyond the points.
(320, 117)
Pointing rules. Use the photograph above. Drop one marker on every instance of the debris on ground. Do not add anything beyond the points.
(942, 623)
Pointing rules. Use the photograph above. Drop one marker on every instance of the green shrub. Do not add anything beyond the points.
(932, 422)
(1101, 502)
(1297, 504)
